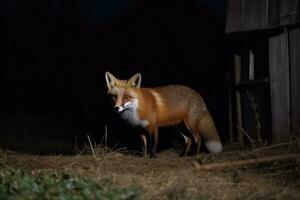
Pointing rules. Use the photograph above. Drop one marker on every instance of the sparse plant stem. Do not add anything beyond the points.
(76, 148)
(257, 119)
(246, 134)
(105, 138)
(92, 148)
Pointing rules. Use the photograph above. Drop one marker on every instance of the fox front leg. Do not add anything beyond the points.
(153, 143)
(143, 139)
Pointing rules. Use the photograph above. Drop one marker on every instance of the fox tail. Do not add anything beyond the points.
(210, 134)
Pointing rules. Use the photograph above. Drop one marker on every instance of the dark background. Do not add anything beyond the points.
(55, 53)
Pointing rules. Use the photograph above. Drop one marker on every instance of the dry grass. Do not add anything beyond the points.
(170, 177)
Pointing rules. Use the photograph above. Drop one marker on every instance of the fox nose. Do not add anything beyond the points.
(116, 108)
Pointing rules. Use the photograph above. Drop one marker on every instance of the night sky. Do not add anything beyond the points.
(56, 52)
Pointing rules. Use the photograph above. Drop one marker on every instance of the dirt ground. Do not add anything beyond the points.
(170, 177)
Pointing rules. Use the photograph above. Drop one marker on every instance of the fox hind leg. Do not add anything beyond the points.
(197, 140)
(183, 129)
(188, 143)
(195, 135)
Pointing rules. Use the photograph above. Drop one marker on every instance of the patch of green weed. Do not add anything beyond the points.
(17, 184)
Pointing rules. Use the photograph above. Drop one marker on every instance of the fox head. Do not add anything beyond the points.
(122, 92)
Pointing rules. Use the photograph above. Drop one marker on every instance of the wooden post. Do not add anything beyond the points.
(280, 87)
(295, 81)
(237, 72)
(251, 65)
(230, 130)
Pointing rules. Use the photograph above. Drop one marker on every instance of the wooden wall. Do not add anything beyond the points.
(284, 57)
(280, 87)
(283, 12)
(246, 15)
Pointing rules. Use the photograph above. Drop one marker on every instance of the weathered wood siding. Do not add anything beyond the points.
(255, 16)
(295, 79)
(246, 15)
(280, 87)
(282, 12)
(234, 16)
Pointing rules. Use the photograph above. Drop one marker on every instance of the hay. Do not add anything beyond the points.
(170, 177)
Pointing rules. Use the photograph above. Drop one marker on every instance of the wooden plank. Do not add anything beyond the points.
(238, 163)
(280, 87)
(273, 13)
(283, 12)
(288, 12)
(230, 121)
(247, 116)
(295, 81)
(246, 15)
(237, 79)
(255, 15)
(251, 65)
(234, 16)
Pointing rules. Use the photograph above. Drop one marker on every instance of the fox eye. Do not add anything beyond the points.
(126, 97)
(113, 97)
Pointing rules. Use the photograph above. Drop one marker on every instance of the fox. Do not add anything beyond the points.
(151, 108)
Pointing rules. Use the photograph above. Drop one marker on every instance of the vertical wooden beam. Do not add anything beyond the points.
(237, 72)
(230, 129)
(295, 81)
(251, 65)
(280, 87)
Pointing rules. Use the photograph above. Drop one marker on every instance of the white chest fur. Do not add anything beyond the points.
(131, 116)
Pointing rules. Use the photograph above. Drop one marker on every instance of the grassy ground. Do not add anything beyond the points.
(167, 177)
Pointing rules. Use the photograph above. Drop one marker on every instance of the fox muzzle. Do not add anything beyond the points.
(116, 108)
(119, 109)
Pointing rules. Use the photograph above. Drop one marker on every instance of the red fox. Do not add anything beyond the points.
(151, 108)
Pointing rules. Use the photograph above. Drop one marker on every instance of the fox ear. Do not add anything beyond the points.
(111, 81)
(135, 81)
